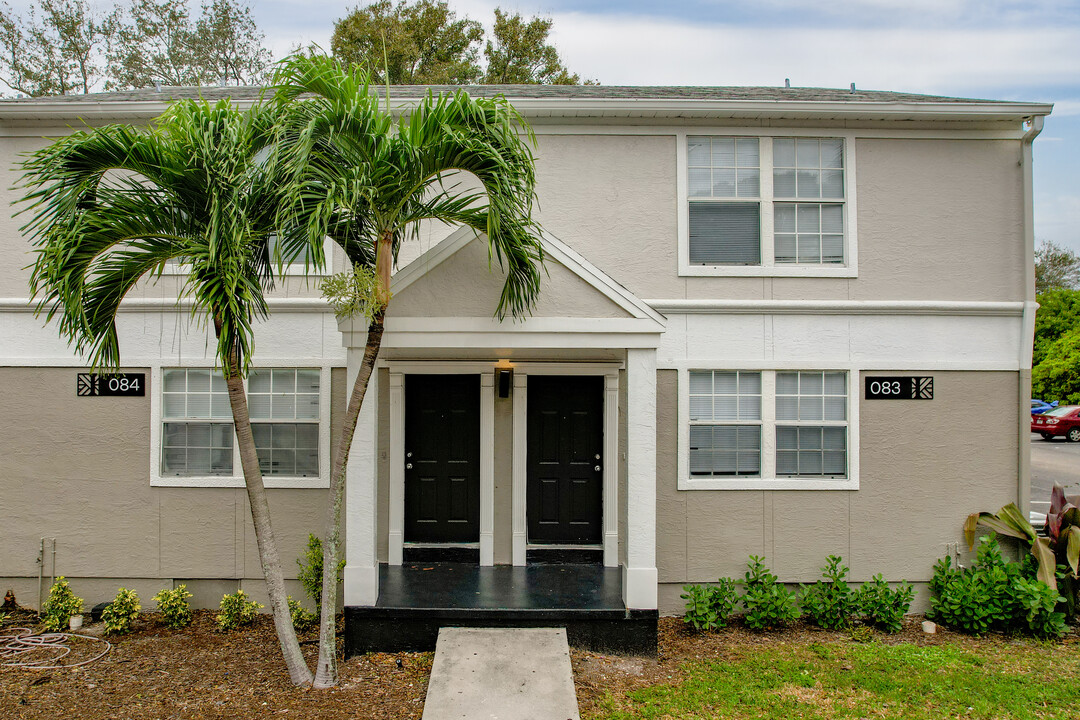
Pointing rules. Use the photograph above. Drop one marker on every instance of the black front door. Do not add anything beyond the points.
(442, 458)
(564, 479)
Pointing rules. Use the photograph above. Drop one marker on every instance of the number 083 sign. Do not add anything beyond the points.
(900, 388)
(111, 385)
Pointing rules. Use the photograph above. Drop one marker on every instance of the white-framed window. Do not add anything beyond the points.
(776, 203)
(767, 429)
(296, 267)
(193, 439)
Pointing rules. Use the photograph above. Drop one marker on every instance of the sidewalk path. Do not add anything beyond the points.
(501, 674)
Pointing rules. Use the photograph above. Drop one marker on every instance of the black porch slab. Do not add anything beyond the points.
(416, 600)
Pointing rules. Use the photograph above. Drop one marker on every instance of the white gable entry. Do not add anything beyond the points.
(588, 336)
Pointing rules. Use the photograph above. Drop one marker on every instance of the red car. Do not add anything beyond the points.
(1064, 420)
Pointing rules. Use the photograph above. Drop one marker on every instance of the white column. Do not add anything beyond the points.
(487, 469)
(361, 575)
(520, 409)
(396, 545)
(611, 470)
(639, 576)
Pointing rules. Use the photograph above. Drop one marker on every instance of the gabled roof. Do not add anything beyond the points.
(554, 249)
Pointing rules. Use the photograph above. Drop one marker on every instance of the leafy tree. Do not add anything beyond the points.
(57, 50)
(1059, 312)
(230, 45)
(1056, 267)
(110, 206)
(156, 42)
(519, 53)
(367, 181)
(426, 43)
(1057, 375)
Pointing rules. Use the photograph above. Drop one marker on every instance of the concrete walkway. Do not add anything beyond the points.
(501, 674)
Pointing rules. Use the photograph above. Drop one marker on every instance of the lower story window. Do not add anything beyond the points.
(197, 434)
(767, 425)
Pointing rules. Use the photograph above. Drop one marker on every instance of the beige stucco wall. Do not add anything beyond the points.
(463, 285)
(917, 484)
(77, 469)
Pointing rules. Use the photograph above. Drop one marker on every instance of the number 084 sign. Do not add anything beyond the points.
(900, 388)
(111, 385)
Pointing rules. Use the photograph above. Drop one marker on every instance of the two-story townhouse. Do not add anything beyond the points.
(740, 283)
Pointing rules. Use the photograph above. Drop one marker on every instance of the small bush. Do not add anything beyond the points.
(236, 610)
(994, 594)
(830, 603)
(883, 606)
(768, 603)
(710, 607)
(121, 612)
(301, 618)
(61, 604)
(311, 570)
(174, 606)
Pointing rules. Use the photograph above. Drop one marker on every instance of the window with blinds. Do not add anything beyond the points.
(725, 423)
(724, 174)
(811, 430)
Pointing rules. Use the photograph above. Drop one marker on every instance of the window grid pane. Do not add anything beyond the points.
(819, 447)
(808, 168)
(196, 449)
(194, 393)
(287, 449)
(723, 167)
(808, 233)
(722, 403)
(284, 394)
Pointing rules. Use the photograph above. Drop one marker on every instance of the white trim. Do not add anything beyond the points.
(176, 268)
(838, 307)
(609, 460)
(768, 266)
(768, 479)
(639, 575)
(396, 529)
(487, 469)
(361, 576)
(872, 366)
(236, 480)
(172, 304)
(552, 247)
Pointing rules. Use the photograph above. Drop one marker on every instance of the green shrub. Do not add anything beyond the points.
(236, 610)
(301, 618)
(311, 570)
(994, 594)
(768, 603)
(61, 604)
(709, 607)
(830, 603)
(885, 607)
(121, 612)
(174, 606)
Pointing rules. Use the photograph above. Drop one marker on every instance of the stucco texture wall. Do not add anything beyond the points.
(917, 484)
(77, 469)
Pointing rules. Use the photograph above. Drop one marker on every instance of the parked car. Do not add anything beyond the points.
(1064, 420)
(1038, 407)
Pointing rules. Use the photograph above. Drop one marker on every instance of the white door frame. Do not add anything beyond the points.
(610, 459)
(486, 371)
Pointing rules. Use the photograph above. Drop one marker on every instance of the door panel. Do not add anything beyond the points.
(442, 444)
(564, 493)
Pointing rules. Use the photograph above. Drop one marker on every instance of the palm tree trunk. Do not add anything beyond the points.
(326, 667)
(264, 533)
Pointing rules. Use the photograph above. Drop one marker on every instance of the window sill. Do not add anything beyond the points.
(800, 271)
(224, 481)
(768, 483)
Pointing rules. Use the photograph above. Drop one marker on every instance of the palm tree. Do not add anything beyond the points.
(110, 206)
(366, 180)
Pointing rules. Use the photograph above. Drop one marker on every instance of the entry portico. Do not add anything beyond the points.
(576, 383)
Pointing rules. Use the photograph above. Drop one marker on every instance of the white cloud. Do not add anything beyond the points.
(1057, 218)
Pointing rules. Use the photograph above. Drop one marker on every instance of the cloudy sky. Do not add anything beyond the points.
(998, 49)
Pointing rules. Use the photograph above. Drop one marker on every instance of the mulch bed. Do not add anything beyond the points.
(202, 672)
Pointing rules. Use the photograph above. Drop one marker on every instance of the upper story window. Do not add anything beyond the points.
(766, 206)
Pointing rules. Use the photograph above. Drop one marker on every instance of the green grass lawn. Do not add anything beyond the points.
(850, 680)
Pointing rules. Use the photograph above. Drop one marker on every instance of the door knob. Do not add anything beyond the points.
(597, 468)
(408, 466)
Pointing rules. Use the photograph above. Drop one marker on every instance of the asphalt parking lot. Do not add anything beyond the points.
(1053, 462)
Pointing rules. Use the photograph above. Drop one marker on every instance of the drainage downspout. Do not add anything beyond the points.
(1027, 339)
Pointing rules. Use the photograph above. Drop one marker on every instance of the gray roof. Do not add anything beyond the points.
(562, 92)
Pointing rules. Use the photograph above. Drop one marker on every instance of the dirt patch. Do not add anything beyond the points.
(201, 672)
